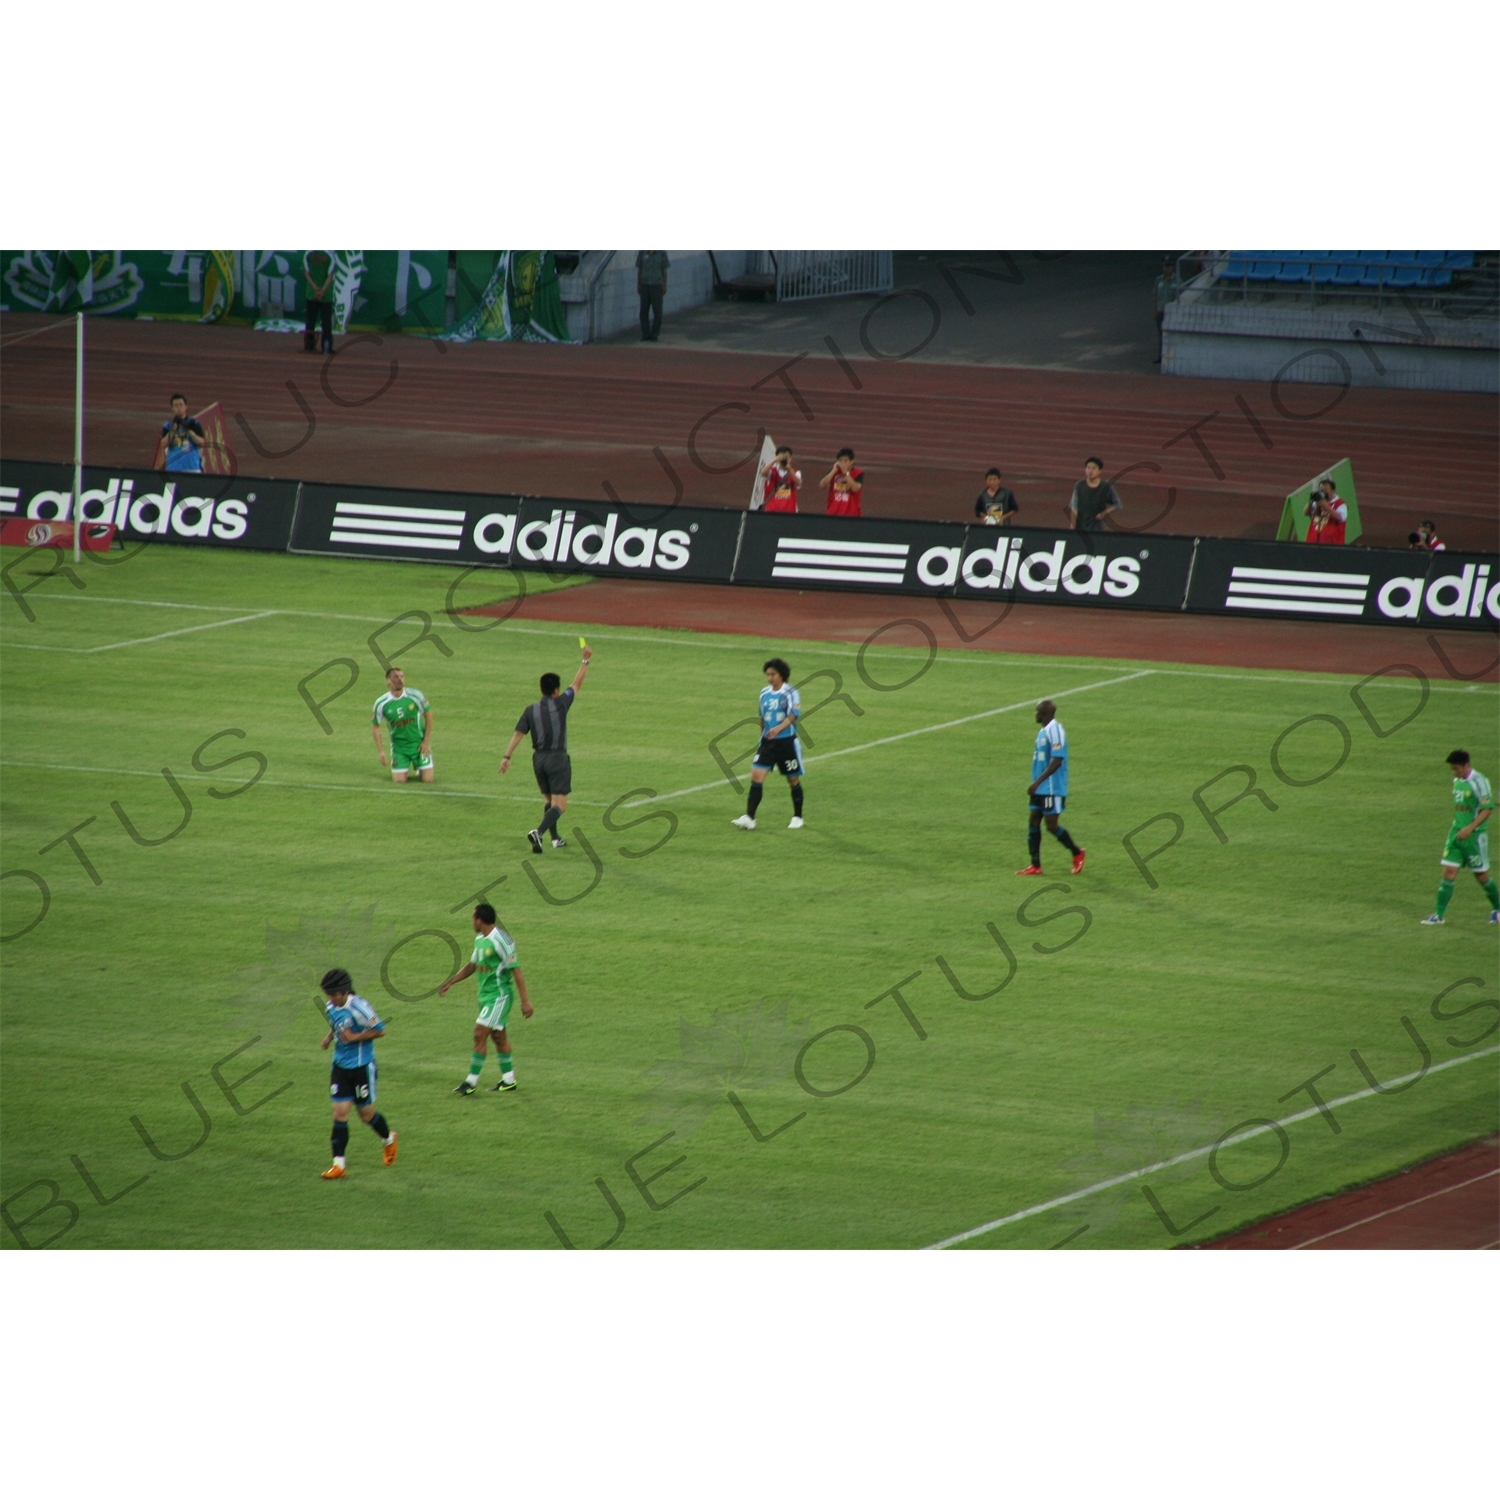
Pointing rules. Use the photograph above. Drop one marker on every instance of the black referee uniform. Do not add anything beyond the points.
(546, 721)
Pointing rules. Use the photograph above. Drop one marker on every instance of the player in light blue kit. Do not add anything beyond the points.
(780, 708)
(352, 1029)
(1049, 789)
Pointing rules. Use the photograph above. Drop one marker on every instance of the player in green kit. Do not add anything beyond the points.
(500, 981)
(1468, 839)
(408, 716)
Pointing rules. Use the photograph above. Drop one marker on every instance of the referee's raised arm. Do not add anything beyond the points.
(588, 652)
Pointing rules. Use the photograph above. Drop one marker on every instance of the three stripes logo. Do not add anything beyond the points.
(1299, 592)
(418, 526)
(840, 562)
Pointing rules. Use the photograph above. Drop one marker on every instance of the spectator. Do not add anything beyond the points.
(996, 505)
(845, 485)
(184, 438)
(782, 482)
(317, 271)
(651, 283)
(1166, 295)
(1093, 497)
(1427, 535)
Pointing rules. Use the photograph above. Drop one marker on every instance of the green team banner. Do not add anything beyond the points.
(373, 290)
(521, 302)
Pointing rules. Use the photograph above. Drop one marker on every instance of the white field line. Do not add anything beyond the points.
(1193, 1155)
(1396, 1209)
(947, 655)
(301, 786)
(891, 739)
(146, 640)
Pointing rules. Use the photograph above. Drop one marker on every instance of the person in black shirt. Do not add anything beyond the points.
(996, 505)
(1093, 497)
(546, 721)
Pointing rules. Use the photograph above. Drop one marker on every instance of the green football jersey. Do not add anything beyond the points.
(494, 957)
(1471, 795)
(402, 715)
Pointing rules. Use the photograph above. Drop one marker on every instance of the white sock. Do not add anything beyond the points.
(338, 1161)
(508, 1078)
(472, 1078)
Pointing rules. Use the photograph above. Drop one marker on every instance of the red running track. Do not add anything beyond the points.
(1450, 1203)
(579, 420)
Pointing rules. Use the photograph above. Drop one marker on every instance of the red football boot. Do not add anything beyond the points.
(1030, 870)
(1078, 861)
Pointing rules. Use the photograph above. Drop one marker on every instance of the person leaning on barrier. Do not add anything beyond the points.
(1093, 497)
(1426, 535)
(996, 505)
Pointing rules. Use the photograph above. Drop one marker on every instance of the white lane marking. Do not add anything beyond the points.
(701, 640)
(301, 786)
(891, 739)
(1385, 1212)
(1193, 1155)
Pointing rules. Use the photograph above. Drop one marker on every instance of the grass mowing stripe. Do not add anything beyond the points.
(301, 786)
(891, 739)
(951, 655)
(1193, 1155)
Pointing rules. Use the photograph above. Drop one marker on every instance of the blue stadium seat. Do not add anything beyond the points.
(1437, 278)
(1402, 257)
(1349, 275)
(1404, 276)
(1235, 269)
(1428, 258)
(1292, 270)
(1374, 275)
(1264, 270)
(1459, 260)
(1323, 274)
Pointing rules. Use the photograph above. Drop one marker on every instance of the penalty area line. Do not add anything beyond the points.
(1200, 1151)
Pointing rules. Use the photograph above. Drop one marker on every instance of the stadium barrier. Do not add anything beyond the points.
(214, 510)
(951, 560)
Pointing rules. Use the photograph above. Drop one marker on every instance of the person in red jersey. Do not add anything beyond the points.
(845, 483)
(782, 482)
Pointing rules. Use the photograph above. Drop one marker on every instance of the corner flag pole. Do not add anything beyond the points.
(78, 443)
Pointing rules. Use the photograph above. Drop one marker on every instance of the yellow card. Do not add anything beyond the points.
(583, 643)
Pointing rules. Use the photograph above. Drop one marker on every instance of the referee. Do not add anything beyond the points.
(546, 721)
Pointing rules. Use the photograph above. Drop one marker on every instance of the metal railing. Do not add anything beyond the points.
(804, 274)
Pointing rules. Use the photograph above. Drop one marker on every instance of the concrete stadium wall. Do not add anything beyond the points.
(1336, 345)
(616, 304)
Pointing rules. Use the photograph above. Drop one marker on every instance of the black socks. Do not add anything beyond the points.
(1065, 838)
(1034, 844)
(378, 1125)
(549, 822)
(797, 800)
(757, 791)
(340, 1137)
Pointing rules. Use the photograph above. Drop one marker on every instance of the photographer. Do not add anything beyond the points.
(845, 484)
(183, 438)
(317, 271)
(1327, 514)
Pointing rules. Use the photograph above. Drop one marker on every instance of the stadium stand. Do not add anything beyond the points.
(1351, 268)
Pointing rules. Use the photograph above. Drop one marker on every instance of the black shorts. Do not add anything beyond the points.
(554, 772)
(781, 753)
(357, 1084)
(1044, 804)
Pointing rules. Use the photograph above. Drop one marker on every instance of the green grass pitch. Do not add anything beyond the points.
(667, 978)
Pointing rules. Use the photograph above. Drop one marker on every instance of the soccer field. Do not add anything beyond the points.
(865, 1033)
